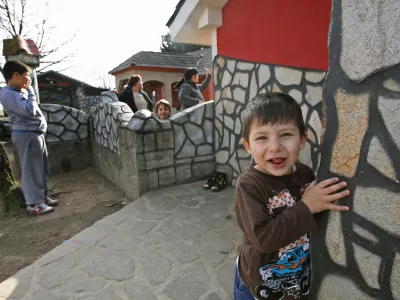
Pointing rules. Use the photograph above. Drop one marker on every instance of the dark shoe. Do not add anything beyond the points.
(50, 202)
(220, 182)
(210, 180)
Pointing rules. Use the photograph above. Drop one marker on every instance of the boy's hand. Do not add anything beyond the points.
(318, 197)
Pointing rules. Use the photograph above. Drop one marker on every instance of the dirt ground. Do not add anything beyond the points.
(85, 197)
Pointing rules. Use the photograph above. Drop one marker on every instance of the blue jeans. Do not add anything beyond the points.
(240, 291)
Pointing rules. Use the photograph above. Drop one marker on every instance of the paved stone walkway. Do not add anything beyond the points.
(178, 243)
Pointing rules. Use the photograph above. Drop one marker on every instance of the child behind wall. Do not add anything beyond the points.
(275, 200)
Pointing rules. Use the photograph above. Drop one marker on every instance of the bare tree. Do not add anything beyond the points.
(102, 79)
(17, 17)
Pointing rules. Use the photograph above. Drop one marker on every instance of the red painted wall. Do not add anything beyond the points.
(283, 32)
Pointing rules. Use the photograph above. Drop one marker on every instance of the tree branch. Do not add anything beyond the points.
(6, 9)
(21, 22)
(52, 63)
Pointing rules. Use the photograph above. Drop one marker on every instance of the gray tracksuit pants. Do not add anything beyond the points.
(32, 152)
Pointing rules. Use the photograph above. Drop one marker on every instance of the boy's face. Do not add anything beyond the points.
(22, 81)
(275, 148)
(163, 112)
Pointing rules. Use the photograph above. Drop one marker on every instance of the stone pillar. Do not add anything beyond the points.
(25, 51)
(356, 254)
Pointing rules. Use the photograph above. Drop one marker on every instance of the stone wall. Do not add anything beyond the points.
(356, 255)
(153, 152)
(67, 139)
(83, 102)
(236, 83)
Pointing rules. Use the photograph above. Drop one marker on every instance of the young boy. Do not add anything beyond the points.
(163, 109)
(275, 201)
(28, 126)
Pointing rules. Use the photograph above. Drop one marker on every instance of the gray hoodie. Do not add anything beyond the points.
(22, 110)
(190, 92)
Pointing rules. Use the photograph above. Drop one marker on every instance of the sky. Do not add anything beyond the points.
(107, 32)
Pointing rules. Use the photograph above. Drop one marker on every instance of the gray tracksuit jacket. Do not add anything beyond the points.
(190, 92)
(23, 111)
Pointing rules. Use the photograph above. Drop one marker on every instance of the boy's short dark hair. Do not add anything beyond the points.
(189, 73)
(14, 66)
(271, 108)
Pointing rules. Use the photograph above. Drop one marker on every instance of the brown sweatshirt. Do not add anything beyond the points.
(274, 260)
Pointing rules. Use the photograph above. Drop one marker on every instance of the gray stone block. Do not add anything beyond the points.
(183, 173)
(18, 285)
(194, 133)
(158, 159)
(190, 284)
(226, 274)
(55, 273)
(149, 142)
(166, 176)
(81, 284)
(209, 109)
(315, 77)
(70, 123)
(241, 79)
(55, 129)
(196, 113)
(83, 132)
(204, 150)
(57, 116)
(264, 74)
(120, 241)
(288, 76)
(208, 128)
(188, 150)
(204, 158)
(51, 107)
(180, 118)
(143, 114)
(134, 124)
(69, 136)
(226, 79)
(238, 95)
(152, 176)
(135, 291)
(110, 265)
(314, 94)
(47, 295)
(179, 137)
(165, 140)
(143, 182)
(164, 124)
(139, 143)
(202, 169)
(141, 162)
(363, 34)
(151, 125)
(184, 161)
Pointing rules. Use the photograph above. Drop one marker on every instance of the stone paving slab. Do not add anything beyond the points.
(177, 243)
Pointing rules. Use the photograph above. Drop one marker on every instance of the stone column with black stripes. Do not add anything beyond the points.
(356, 254)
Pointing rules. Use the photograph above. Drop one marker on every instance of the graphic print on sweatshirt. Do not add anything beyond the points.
(291, 274)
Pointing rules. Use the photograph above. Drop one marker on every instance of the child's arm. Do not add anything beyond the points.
(14, 102)
(266, 233)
